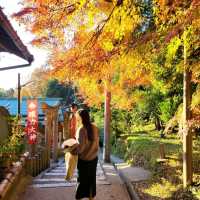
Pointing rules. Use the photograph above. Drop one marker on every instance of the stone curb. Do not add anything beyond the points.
(133, 195)
(129, 186)
(110, 170)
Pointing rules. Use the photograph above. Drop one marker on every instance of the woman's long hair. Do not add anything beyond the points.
(85, 117)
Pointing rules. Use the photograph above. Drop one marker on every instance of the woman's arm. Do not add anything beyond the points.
(81, 142)
(81, 138)
(95, 143)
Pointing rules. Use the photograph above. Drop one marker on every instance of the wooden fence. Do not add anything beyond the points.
(32, 165)
(37, 163)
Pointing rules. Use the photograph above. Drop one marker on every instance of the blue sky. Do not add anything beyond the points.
(8, 79)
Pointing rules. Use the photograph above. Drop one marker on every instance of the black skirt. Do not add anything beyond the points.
(86, 178)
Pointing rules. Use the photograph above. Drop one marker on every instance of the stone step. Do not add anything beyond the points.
(57, 170)
(49, 181)
(43, 180)
(62, 176)
(64, 166)
(55, 174)
(63, 184)
(63, 173)
(64, 170)
(54, 177)
(54, 185)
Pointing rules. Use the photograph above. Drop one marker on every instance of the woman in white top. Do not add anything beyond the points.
(88, 138)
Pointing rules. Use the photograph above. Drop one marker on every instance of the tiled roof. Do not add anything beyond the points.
(10, 41)
(11, 105)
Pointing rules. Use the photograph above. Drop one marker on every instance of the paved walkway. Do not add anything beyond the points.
(134, 174)
(130, 175)
(50, 185)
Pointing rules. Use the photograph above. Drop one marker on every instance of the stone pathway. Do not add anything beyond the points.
(50, 185)
(54, 177)
(130, 175)
(134, 174)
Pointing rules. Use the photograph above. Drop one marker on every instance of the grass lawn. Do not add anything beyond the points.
(141, 148)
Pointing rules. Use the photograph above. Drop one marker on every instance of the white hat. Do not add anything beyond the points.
(69, 145)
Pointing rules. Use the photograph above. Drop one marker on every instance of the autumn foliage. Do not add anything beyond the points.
(111, 45)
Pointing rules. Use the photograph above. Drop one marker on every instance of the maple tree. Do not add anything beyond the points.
(98, 72)
(178, 29)
(96, 64)
(113, 24)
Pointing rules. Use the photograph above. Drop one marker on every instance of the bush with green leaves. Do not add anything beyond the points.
(139, 151)
(12, 147)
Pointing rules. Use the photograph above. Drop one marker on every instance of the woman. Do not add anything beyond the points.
(88, 138)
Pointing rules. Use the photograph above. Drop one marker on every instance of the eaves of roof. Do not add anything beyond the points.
(10, 41)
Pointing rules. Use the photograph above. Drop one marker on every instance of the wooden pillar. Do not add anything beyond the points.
(187, 134)
(107, 119)
(48, 129)
(55, 135)
(60, 134)
(162, 151)
(66, 134)
(48, 133)
(32, 149)
(47, 123)
(19, 97)
(51, 129)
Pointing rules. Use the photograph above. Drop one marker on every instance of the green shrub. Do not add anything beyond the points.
(11, 148)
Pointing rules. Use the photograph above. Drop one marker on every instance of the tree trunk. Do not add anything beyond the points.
(107, 119)
(187, 134)
(158, 124)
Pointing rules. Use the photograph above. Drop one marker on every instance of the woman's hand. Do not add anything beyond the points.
(75, 151)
